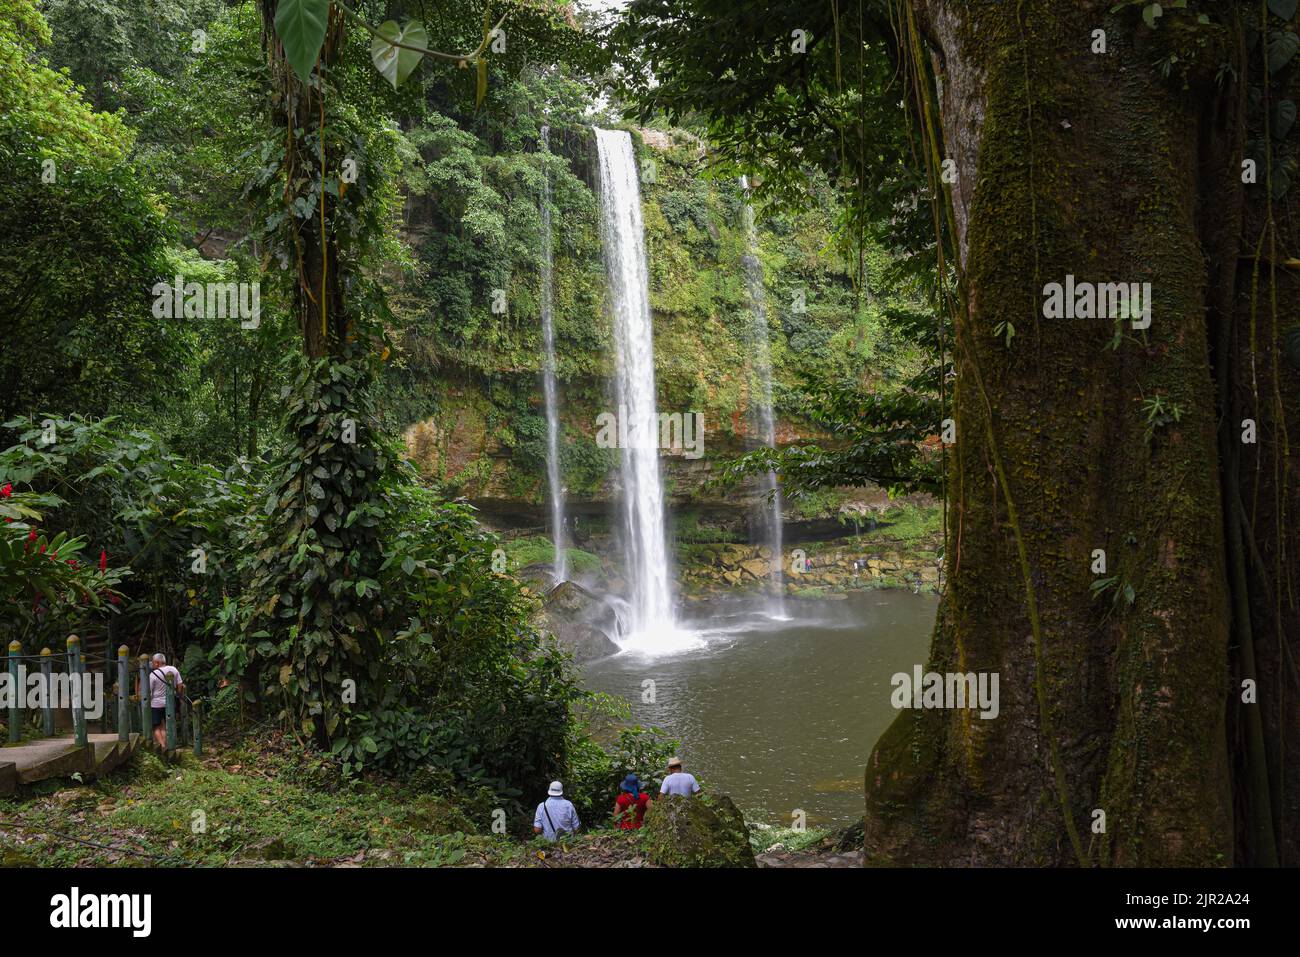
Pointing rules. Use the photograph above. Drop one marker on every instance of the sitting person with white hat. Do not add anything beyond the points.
(679, 782)
(556, 817)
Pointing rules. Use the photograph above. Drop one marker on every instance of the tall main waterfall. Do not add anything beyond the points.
(548, 381)
(760, 393)
(652, 621)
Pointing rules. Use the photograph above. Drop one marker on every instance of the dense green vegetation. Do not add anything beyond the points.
(241, 479)
(270, 294)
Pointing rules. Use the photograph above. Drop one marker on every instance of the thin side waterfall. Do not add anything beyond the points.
(549, 389)
(760, 408)
(652, 625)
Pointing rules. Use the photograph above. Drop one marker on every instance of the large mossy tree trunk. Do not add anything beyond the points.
(1127, 702)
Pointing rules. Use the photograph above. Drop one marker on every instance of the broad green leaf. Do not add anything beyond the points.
(300, 25)
(1282, 8)
(1283, 118)
(1281, 183)
(395, 63)
(1150, 12)
(1281, 48)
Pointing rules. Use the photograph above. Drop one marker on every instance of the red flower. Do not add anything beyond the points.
(41, 550)
(115, 600)
(7, 490)
(31, 536)
(72, 562)
(103, 561)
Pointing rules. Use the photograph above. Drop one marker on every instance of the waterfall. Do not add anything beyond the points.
(561, 567)
(652, 625)
(760, 408)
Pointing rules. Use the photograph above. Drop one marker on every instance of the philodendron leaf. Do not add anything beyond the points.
(1281, 183)
(1282, 8)
(396, 63)
(1283, 118)
(1150, 12)
(300, 25)
(1281, 48)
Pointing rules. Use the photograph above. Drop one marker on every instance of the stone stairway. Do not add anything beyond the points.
(61, 757)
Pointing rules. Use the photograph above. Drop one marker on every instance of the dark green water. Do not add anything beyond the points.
(780, 715)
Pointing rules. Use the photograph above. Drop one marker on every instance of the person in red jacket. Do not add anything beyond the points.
(629, 808)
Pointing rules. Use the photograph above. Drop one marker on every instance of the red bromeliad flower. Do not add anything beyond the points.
(103, 561)
(7, 490)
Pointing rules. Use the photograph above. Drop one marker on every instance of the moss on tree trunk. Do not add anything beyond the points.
(1101, 167)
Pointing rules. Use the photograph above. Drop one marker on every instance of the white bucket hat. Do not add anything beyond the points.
(556, 789)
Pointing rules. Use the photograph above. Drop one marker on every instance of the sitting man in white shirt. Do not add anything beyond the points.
(678, 781)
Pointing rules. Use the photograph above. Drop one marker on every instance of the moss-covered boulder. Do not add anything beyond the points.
(581, 620)
(696, 832)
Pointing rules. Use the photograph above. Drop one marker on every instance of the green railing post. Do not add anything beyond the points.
(15, 728)
(171, 713)
(105, 719)
(146, 723)
(47, 699)
(123, 709)
(183, 722)
(75, 670)
(198, 731)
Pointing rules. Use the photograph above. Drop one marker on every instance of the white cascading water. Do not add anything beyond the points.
(761, 408)
(652, 626)
(549, 389)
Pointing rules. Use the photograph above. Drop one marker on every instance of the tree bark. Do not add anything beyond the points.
(1099, 166)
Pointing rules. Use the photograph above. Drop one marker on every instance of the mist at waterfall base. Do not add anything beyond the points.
(779, 715)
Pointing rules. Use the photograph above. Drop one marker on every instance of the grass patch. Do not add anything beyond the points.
(191, 813)
(538, 549)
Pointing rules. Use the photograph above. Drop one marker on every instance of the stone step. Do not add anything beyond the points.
(61, 757)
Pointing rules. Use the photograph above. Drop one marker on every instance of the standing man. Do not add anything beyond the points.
(160, 675)
(556, 817)
(678, 781)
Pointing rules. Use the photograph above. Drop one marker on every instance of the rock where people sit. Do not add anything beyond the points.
(696, 832)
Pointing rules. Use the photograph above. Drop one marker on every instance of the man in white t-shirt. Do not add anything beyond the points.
(678, 781)
(160, 675)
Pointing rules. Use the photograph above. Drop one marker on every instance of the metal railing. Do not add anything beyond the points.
(132, 712)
